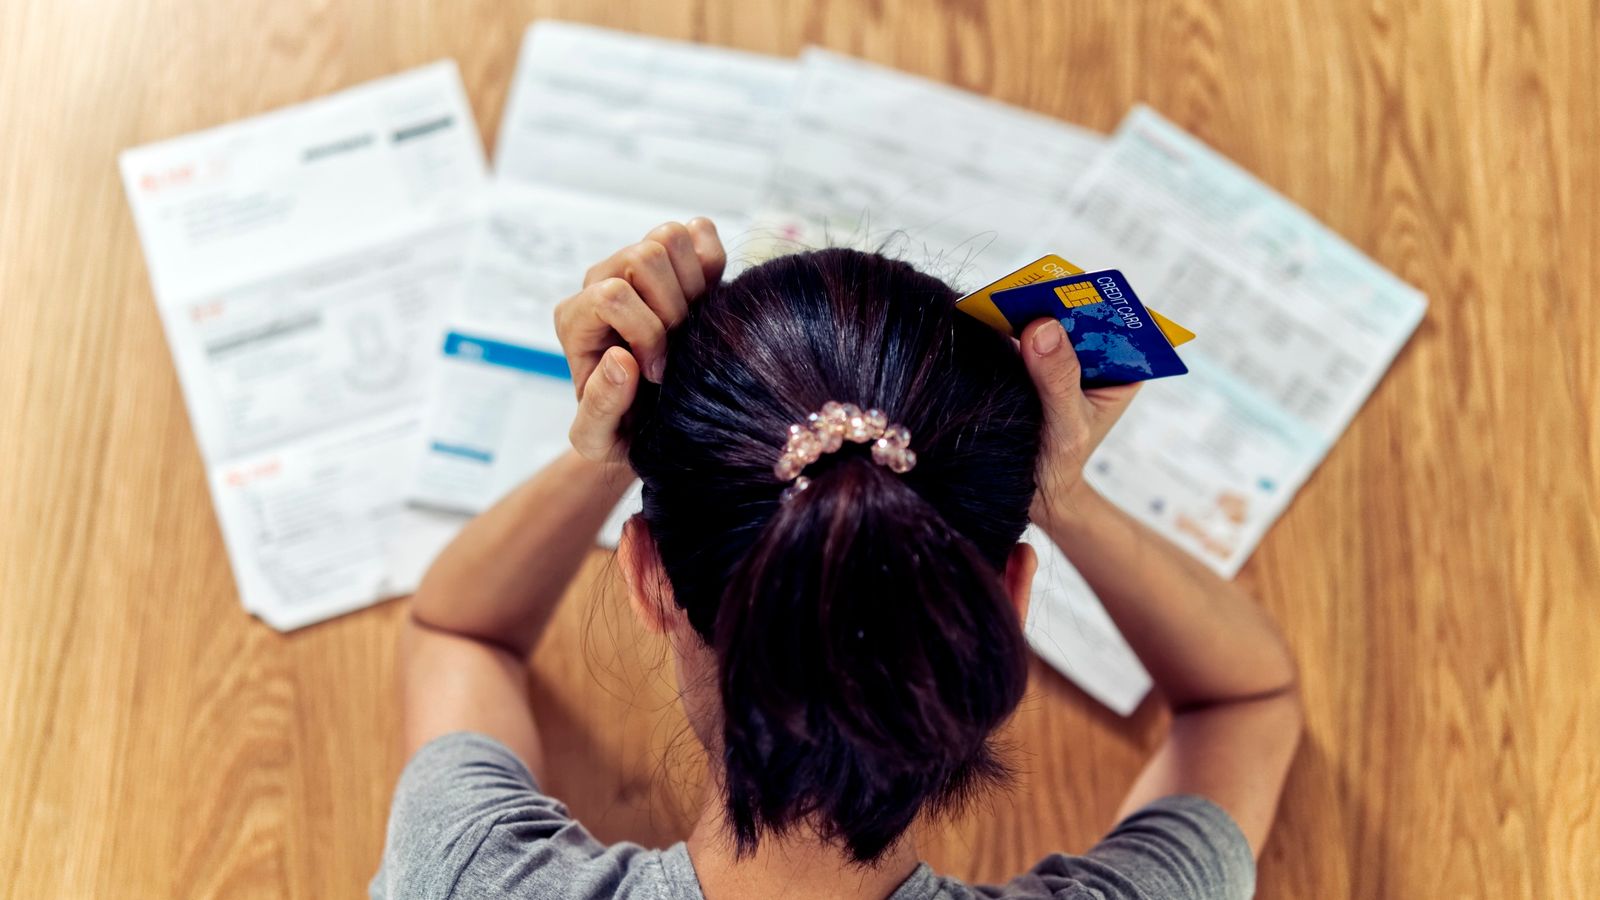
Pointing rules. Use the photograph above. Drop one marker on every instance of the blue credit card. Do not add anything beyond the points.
(1116, 339)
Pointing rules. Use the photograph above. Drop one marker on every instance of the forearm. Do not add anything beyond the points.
(500, 579)
(1203, 641)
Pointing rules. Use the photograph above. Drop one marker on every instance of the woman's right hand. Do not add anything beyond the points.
(1075, 420)
(616, 327)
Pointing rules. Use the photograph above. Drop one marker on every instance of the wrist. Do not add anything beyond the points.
(609, 471)
(1065, 504)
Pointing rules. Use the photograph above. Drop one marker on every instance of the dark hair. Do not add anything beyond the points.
(866, 647)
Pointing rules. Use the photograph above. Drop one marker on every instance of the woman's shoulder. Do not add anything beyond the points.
(469, 820)
(1180, 846)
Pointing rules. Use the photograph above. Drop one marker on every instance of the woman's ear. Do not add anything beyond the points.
(1018, 577)
(648, 591)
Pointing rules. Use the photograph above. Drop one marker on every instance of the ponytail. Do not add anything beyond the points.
(867, 652)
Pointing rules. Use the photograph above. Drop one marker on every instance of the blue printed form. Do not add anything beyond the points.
(499, 407)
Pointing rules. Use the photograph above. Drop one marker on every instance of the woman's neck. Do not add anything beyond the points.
(794, 867)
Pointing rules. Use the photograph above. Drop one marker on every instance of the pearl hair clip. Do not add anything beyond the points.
(826, 430)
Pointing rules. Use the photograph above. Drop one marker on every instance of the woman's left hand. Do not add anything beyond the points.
(616, 327)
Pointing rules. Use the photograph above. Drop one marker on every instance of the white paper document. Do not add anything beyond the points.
(630, 116)
(1071, 631)
(605, 136)
(1295, 329)
(300, 261)
(955, 183)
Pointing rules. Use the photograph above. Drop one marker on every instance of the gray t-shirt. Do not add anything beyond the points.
(469, 821)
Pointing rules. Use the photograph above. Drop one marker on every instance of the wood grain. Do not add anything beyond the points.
(1438, 576)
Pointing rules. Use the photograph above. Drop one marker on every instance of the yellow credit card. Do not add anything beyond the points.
(1046, 268)
(978, 305)
(1176, 334)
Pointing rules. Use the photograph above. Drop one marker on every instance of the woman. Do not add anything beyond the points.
(836, 470)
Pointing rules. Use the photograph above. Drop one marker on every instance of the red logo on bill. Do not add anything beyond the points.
(155, 181)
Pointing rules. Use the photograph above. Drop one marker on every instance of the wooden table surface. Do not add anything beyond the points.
(1437, 576)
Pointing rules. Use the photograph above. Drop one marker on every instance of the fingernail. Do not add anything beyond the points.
(658, 370)
(614, 372)
(1048, 338)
